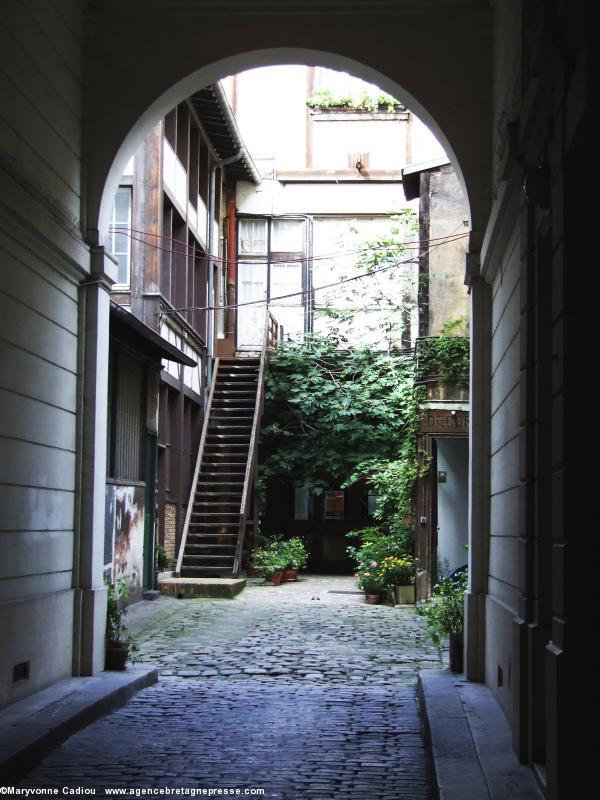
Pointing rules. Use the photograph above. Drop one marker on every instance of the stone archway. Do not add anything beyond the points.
(142, 64)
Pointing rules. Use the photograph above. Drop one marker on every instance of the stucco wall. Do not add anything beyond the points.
(502, 602)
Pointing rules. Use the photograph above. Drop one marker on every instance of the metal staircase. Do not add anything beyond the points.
(217, 514)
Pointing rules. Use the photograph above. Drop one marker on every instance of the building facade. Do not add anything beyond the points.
(168, 224)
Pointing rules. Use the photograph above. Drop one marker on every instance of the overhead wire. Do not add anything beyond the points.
(192, 250)
(303, 292)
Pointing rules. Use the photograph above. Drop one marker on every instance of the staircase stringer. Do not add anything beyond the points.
(205, 425)
(270, 338)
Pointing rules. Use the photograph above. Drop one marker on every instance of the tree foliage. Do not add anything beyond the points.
(337, 416)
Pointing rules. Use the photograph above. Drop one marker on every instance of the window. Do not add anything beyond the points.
(273, 265)
(302, 503)
(334, 505)
(119, 241)
(372, 502)
(287, 236)
(253, 237)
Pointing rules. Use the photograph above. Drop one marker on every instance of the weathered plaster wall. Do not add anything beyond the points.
(125, 531)
(448, 215)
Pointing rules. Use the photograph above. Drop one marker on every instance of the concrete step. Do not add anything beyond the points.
(190, 586)
(471, 742)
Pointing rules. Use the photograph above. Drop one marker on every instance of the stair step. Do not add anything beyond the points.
(221, 436)
(236, 384)
(206, 572)
(210, 557)
(202, 538)
(246, 413)
(215, 516)
(240, 463)
(218, 504)
(212, 524)
(220, 483)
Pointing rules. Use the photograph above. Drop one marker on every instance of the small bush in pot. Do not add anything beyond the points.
(269, 562)
(444, 615)
(296, 557)
(119, 644)
(369, 580)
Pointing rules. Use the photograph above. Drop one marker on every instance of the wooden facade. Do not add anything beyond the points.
(169, 229)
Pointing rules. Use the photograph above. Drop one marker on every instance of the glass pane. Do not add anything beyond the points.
(287, 236)
(252, 285)
(120, 243)
(372, 503)
(253, 237)
(286, 279)
(123, 269)
(301, 504)
(122, 205)
(334, 505)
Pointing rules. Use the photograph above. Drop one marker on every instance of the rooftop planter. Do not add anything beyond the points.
(325, 100)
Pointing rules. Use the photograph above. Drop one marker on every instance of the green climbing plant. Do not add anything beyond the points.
(446, 356)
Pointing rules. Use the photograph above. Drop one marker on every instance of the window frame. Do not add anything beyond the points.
(115, 227)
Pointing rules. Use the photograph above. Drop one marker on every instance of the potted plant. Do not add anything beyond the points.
(296, 557)
(444, 614)
(370, 581)
(118, 642)
(398, 576)
(269, 563)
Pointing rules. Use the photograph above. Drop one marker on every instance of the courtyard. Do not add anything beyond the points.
(301, 691)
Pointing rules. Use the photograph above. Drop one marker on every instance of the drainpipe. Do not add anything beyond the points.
(231, 268)
(211, 253)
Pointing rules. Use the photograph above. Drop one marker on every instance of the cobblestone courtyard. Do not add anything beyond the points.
(302, 690)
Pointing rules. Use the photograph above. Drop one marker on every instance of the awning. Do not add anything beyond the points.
(145, 338)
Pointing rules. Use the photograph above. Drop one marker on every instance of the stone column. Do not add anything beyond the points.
(88, 560)
(479, 480)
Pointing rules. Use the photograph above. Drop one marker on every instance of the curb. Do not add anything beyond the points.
(31, 728)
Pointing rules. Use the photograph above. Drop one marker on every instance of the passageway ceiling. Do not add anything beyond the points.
(145, 57)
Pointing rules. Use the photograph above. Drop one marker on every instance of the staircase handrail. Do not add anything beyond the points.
(188, 513)
(269, 341)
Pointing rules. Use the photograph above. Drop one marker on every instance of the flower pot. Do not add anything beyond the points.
(116, 656)
(251, 571)
(374, 598)
(404, 595)
(290, 574)
(456, 652)
(276, 577)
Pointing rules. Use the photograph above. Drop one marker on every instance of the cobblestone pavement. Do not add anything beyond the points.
(302, 690)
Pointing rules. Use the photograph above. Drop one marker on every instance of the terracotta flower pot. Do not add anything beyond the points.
(404, 595)
(374, 598)
(116, 656)
(276, 577)
(290, 574)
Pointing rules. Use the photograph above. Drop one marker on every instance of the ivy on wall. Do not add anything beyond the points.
(335, 416)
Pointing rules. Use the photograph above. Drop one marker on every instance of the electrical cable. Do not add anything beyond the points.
(269, 301)
(192, 251)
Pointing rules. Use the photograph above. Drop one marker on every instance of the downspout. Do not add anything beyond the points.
(231, 268)
(210, 248)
